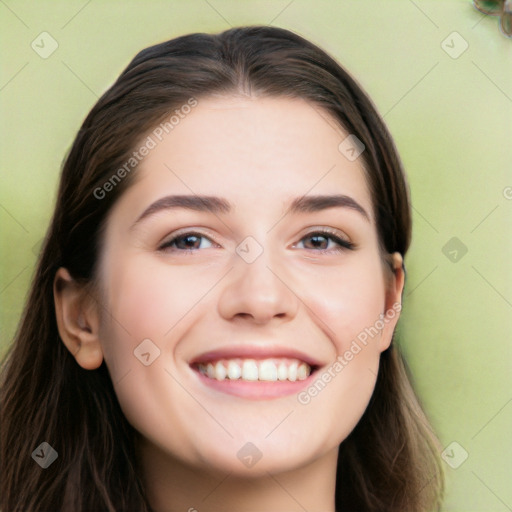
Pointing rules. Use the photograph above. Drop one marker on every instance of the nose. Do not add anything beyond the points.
(258, 291)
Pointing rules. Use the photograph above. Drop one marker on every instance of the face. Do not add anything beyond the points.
(251, 318)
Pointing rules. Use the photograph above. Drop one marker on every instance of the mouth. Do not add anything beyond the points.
(255, 373)
(251, 370)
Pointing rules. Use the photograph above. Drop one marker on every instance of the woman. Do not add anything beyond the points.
(211, 323)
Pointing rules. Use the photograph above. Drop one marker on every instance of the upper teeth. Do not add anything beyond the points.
(251, 369)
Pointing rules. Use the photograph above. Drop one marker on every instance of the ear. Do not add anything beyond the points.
(77, 320)
(393, 304)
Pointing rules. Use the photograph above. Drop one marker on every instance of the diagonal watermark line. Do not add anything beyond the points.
(198, 300)
(309, 309)
(80, 79)
(286, 491)
(326, 118)
(218, 13)
(14, 218)
(12, 280)
(193, 192)
(280, 12)
(426, 483)
(481, 18)
(415, 85)
(279, 423)
(491, 419)
(490, 490)
(492, 81)
(76, 14)
(14, 76)
(200, 404)
(216, 487)
(425, 219)
(424, 13)
(108, 312)
(314, 185)
(502, 296)
(492, 211)
(5, 5)
(424, 279)
(118, 381)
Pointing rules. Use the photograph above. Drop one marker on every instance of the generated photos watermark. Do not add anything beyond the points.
(151, 142)
(342, 361)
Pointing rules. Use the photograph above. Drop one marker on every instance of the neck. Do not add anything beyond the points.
(174, 486)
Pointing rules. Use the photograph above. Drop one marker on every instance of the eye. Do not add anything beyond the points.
(319, 240)
(189, 241)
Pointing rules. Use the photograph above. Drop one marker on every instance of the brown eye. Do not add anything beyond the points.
(319, 240)
(185, 242)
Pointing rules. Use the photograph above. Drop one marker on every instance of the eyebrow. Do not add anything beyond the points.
(219, 205)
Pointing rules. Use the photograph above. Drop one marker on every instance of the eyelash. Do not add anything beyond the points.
(343, 245)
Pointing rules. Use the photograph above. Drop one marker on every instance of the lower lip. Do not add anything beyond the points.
(255, 390)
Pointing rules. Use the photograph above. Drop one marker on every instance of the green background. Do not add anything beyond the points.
(451, 119)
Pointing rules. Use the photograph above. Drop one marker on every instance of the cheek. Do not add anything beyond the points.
(149, 307)
(150, 299)
(348, 300)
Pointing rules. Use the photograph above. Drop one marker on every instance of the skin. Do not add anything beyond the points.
(259, 154)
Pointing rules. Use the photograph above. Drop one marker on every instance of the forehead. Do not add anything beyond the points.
(259, 152)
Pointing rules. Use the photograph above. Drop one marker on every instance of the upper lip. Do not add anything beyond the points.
(254, 352)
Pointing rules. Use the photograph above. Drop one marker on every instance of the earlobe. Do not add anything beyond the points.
(77, 320)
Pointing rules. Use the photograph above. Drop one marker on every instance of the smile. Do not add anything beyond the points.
(268, 370)
(256, 372)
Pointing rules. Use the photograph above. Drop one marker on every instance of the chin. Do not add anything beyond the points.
(255, 459)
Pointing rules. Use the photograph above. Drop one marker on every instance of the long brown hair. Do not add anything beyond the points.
(390, 460)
